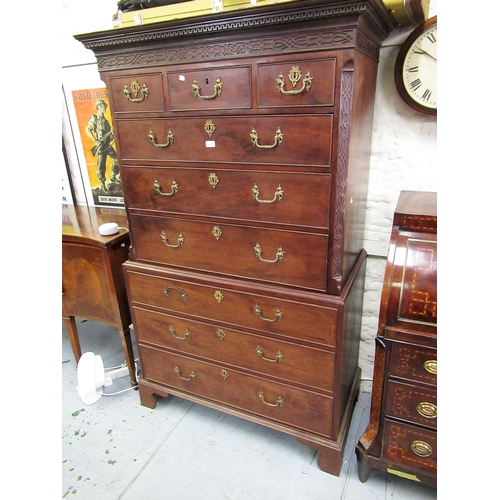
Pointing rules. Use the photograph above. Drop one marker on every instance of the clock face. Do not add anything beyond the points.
(416, 69)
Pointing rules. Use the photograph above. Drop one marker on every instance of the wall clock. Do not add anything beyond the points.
(415, 71)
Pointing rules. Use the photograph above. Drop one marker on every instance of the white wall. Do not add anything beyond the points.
(404, 149)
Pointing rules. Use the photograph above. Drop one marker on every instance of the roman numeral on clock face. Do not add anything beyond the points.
(416, 84)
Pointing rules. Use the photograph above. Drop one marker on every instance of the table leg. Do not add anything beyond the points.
(74, 340)
(129, 353)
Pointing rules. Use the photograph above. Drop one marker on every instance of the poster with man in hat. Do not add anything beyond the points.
(98, 141)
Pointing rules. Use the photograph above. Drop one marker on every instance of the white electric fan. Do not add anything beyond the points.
(92, 378)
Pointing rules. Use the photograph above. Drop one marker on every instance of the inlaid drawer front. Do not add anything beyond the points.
(138, 93)
(284, 197)
(279, 256)
(296, 84)
(216, 382)
(412, 403)
(289, 140)
(414, 362)
(274, 316)
(210, 89)
(260, 354)
(410, 446)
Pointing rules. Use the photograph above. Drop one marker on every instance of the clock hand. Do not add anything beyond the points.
(427, 53)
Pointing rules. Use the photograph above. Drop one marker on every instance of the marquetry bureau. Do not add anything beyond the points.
(401, 437)
(244, 142)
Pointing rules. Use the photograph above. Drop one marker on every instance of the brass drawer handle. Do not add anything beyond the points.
(279, 401)
(174, 188)
(294, 75)
(278, 359)
(192, 375)
(421, 449)
(180, 240)
(181, 292)
(427, 410)
(278, 139)
(170, 139)
(136, 88)
(431, 366)
(187, 335)
(279, 254)
(277, 316)
(278, 195)
(217, 89)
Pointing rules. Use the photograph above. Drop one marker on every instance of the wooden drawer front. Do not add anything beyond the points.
(260, 354)
(306, 140)
(139, 99)
(412, 403)
(198, 245)
(274, 316)
(411, 446)
(414, 362)
(216, 382)
(321, 89)
(216, 88)
(188, 191)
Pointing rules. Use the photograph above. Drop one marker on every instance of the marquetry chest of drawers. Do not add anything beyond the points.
(244, 143)
(401, 437)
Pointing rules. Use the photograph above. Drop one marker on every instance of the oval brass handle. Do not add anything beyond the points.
(278, 139)
(278, 195)
(170, 139)
(187, 335)
(174, 188)
(192, 375)
(431, 366)
(136, 88)
(279, 401)
(180, 240)
(295, 75)
(181, 292)
(217, 89)
(279, 254)
(277, 315)
(421, 449)
(427, 410)
(278, 359)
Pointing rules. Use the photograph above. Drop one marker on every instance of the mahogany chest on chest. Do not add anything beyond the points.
(401, 437)
(244, 142)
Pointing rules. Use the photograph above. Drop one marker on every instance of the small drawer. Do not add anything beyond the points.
(283, 257)
(255, 395)
(138, 93)
(414, 362)
(260, 140)
(279, 317)
(410, 446)
(296, 84)
(260, 354)
(412, 403)
(282, 197)
(210, 89)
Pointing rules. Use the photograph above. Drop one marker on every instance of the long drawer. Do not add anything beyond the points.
(275, 316)
(279, 197)
(216, 382)
(288, 140)
(414, 362)
(410, 445)
(413, 403)
(258, 353)
(283, 257)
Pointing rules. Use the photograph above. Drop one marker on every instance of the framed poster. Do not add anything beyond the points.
(91, 128)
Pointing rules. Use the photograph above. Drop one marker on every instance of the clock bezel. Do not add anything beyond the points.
(399, 67)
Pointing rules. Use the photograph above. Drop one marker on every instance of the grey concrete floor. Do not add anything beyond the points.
(118, 449)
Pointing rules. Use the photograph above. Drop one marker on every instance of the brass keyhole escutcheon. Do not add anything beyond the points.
(213, 180)
(210, 128)
(224, 373)
(217, 232)
(218, 296)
